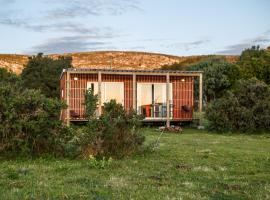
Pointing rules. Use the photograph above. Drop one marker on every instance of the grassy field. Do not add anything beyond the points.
(193, 165)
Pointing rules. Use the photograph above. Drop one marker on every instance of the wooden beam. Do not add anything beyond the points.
(99, 93)
(168, 99)
(68, 98)
(134, 92)
(200, 96)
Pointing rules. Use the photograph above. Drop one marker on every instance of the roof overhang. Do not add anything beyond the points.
(131, 72)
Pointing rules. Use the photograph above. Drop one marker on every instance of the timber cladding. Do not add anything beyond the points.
(182, 91)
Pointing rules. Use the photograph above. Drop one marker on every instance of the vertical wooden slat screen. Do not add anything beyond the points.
(151, 79)
(182, 96)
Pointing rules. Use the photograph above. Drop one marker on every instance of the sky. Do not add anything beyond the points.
(176, 27)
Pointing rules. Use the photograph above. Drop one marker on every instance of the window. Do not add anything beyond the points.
(109, 91)
(112, 90)
(151, 99)
(93, 86)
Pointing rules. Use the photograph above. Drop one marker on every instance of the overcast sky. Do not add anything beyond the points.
(177, 27)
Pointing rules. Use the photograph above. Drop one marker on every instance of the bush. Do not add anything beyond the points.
(29, 122)
(246, 108)
(8, 77)
(114, 134)
(218, 77)
(42, 72)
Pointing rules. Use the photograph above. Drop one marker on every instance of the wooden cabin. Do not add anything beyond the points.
(158, 95)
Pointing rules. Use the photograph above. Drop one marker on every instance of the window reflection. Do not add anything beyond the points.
(151, 99)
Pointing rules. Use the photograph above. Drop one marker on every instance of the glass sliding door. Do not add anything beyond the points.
(144, 99)
(151, 99)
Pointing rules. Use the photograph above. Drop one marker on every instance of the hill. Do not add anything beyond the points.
(111, 59)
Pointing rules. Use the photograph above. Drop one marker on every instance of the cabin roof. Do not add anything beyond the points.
(131, 71)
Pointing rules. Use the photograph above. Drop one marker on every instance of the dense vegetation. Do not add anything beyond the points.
(244, 108)
(236, 94)
(115, 133)
(29, 121)
(43, 73)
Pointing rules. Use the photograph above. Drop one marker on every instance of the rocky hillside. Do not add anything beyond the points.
(110, 59)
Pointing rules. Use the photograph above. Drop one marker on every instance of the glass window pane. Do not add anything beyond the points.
(160, 93)
(144, 99)
(112, 90)
(92, 85)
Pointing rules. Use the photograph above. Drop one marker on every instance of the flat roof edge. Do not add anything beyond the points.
(130, 71)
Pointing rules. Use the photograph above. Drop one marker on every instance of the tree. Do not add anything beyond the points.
(218, 76)
(43, 73)
(245, 108)
(255, 62)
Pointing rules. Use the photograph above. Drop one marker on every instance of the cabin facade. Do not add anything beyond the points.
(158, 95)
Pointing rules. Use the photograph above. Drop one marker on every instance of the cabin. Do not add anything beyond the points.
(158, 95)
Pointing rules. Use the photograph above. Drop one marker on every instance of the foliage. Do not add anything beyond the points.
(91, 101)
(9, 77)
(29, 122)
(115, 133)
(102, 163)
(245, 108)
(255, 62)
(218, 76)
(43, 73)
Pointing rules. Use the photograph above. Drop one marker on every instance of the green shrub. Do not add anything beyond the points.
(29, 122)
(114, 134)
(246, 108)
(8, 77)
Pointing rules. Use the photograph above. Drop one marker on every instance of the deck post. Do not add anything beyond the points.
(168, 100)
(200, 97)
(99, 93)
(68, 98)
(134, 92)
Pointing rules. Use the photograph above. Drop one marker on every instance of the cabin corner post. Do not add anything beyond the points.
(134, 85)
(200, 97)
(99, 93)
(168, 100)
(68, 98)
